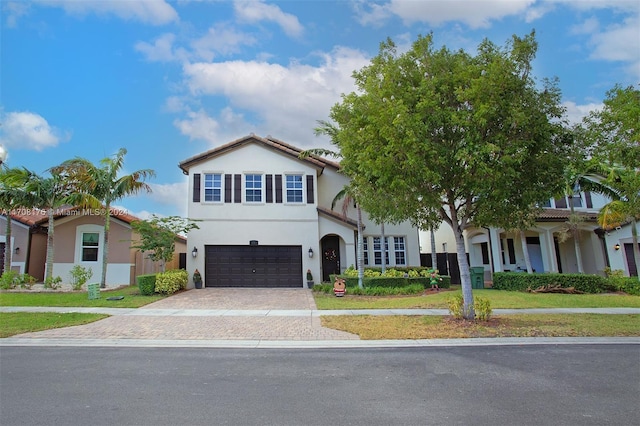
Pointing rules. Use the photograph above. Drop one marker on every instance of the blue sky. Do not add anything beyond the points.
(170, 79)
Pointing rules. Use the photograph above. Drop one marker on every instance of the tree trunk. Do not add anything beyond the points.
(383, 238)
(575, 233)
(525, 252)
(434, 256)
(50, 231)
(7, 245)
(105, 248)
(465, 275)
(359, 259)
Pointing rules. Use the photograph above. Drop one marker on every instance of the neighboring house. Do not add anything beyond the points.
(500, 250)
(78, 240)
(265, 218)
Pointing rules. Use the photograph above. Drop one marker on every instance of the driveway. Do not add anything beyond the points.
(247, 318)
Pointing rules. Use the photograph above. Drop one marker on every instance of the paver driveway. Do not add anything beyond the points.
(243, 314)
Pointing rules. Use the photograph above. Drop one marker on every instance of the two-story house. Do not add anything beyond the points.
(550, 246)
(265, 218)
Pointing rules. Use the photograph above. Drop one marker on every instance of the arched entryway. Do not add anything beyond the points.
(330, 256)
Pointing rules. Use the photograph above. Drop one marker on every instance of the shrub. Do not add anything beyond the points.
(52, 282)
(9, 280)
(481, 307)
(171, 281)
(146, 284)
(517, 281)
(629, 285)
(373, 291)
(79, 276)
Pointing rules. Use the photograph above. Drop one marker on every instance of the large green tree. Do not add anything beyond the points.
(100, 186)
(473, 139)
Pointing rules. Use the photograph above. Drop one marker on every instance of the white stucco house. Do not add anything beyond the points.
(265, 218)
(499, 250)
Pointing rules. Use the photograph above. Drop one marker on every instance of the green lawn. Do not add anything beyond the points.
(499, 300)
(132, 298)
(13, 323)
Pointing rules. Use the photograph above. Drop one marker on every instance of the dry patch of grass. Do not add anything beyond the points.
(437, 327)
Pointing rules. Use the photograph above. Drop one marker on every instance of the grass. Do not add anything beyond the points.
(499, 300)
(132, 298)
(439, 327)
(23, 322)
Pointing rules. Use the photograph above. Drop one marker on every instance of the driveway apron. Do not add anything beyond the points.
(212, 314)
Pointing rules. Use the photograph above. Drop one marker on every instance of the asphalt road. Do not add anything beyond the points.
(494, 385)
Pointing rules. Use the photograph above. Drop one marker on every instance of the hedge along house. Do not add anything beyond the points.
(265, 218)
(78, 240)
(550, 247)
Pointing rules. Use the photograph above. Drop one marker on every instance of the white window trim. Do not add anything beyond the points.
(302, 189)
(262, 188)
(81, 229)
(202, 187)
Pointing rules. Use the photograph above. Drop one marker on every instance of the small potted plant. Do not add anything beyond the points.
(197, 279)
(309, 279)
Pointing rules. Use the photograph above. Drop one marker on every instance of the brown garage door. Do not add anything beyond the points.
(253, 266)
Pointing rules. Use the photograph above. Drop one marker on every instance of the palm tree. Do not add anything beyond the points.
(101, 186)
(625, 205)
(347, 194)
(12, 196)
(50, 193)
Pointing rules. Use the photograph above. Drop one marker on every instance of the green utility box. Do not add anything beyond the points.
(94, 291)
(477, 276)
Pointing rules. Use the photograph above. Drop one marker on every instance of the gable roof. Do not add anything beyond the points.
(269, 142)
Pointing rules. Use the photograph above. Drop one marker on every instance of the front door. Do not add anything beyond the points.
(330, 257)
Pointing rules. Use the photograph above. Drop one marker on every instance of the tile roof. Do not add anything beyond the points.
(556, 215)
(269, 142)
(338, 216)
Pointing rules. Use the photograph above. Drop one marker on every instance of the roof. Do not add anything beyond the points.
(269, 142)
(556, 215)
(337, 216)
(34, 216)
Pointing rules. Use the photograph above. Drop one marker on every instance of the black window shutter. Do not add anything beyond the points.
(587, 196)
(310, 198)
(561, 203)
(269, 188)
(227, 188)
(512, 251)
(237, 188)
(196, 187)
(485, 253)
(278, 188)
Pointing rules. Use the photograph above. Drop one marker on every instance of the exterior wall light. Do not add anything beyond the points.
(194, 252)
(617, 247)
(310, 252)
(16, 250)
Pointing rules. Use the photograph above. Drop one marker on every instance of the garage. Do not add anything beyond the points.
(253, 266)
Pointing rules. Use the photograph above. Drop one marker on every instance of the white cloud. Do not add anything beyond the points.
(14, 10)
(288, 100)
(575, 113)
(619, 42)
(27, 130)
(256, 10)
(221, 39)
(199, 125)
(153, 12)
(476, 14)
(160, 51)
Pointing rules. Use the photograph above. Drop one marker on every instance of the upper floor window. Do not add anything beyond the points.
(90, 246)
(253, 188)
(213, 187)
(294, 188)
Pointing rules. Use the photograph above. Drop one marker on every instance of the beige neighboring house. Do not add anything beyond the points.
(498, 249)
(78, 239)
(265, 218)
